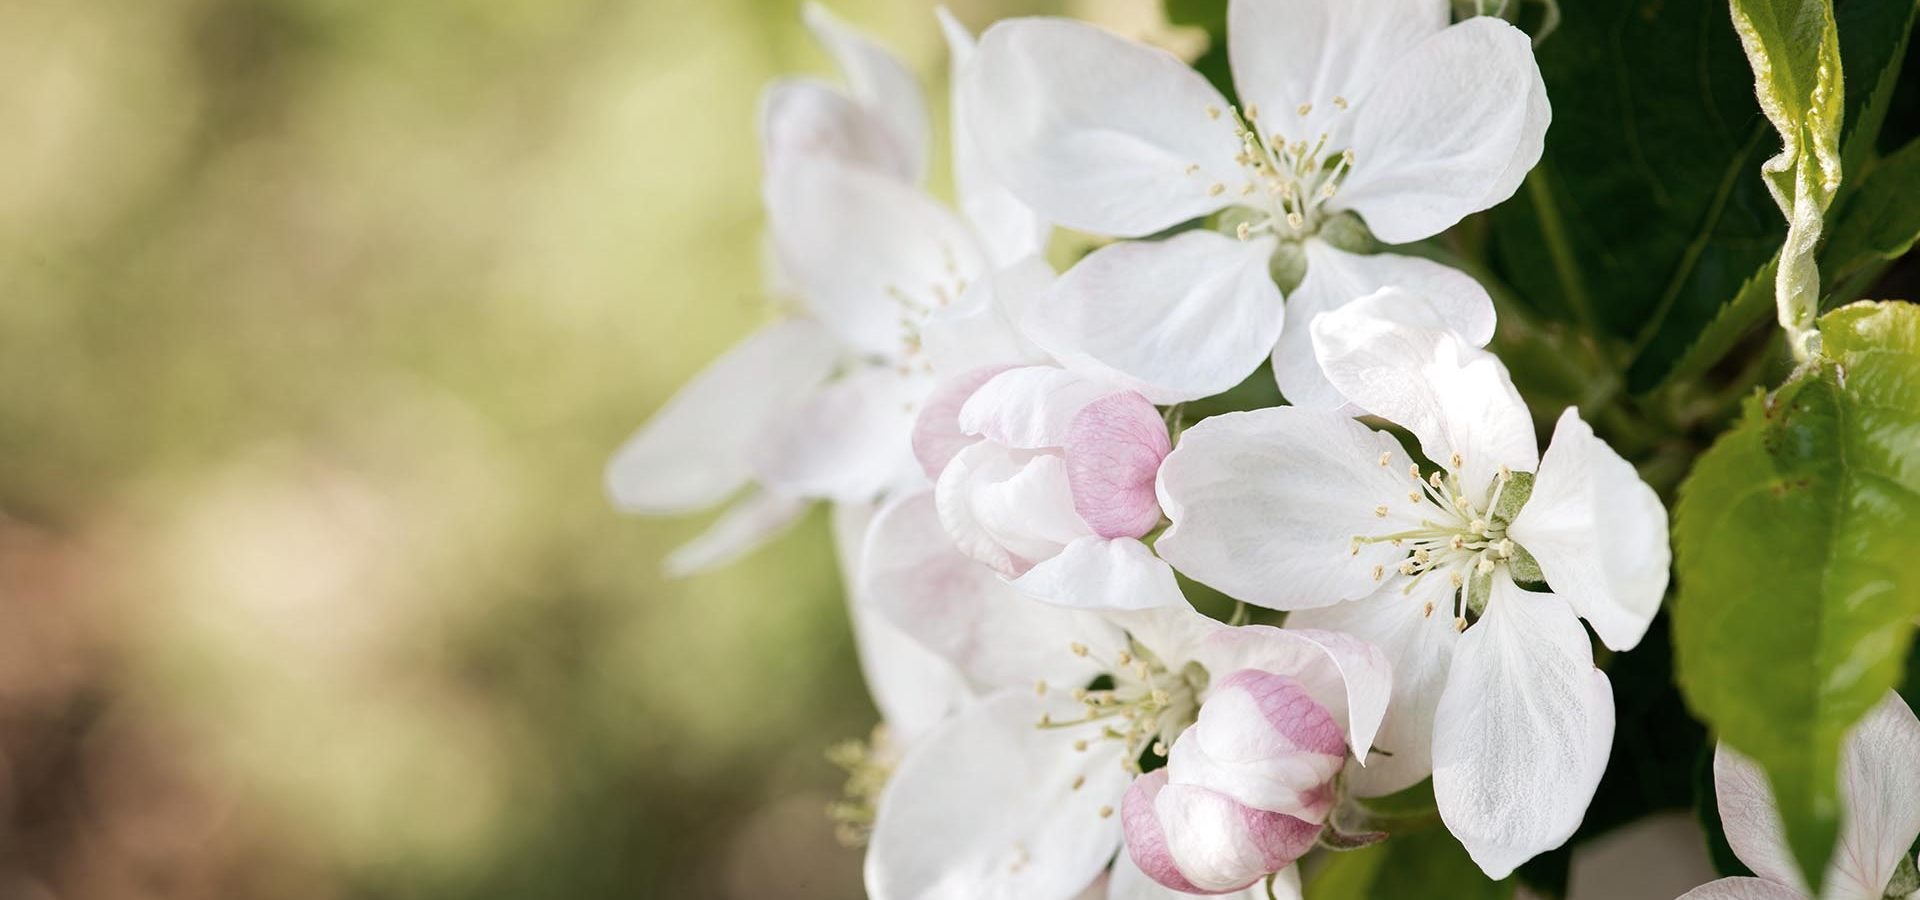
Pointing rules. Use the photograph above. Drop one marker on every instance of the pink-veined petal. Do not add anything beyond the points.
(937, 437)
(1351, 678)
(1129, 883)
(1215, 844)
(1336, 278)
(1523, 730)
(1598, 532)
(1264, 741)
(1114, 447)
(1178, 319)
(1096, 132)
(698, 448)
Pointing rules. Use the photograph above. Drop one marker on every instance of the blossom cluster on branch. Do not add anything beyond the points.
(1019, 493)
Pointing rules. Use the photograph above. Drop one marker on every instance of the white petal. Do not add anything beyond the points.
(1008, 228)
(1336, 278)
(1129, 883)
(696, 449)
(1096, 132)
(1532, 143)
(1178, 319)
(746, 525)
(1438, 135)
(1262, 741)
(1881, 786)
(995, 635)
(878, 79)
(1348, 676)
(1599, 533)
(1029, 408)
(1742, 889)
(851, 440)
(1421, 648)
(1221, 845)
(1750, 819)
(1008, 508)
(985, 809)
(1286, 53)
(1265, 506)
(1392, 355)
(1523, 730)
(914, 688)
(802, 119)
(984, 326)
(937, 437)
(1097, 573)
(867, 251)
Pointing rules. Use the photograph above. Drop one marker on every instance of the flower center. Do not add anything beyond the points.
(1287, 177)
(1139, 703)
(1461, 536)
(916, 303)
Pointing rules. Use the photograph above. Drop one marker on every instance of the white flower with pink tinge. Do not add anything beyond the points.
(1880, 781)
(1315, 512)
(1372, 108)
(1245, 792)
(990, 807)
(894, 290)
(1046, 477)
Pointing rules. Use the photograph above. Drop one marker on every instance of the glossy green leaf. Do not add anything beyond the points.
(1798, 576)
(1647, 212)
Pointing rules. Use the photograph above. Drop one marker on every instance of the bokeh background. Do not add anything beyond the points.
(318, 321)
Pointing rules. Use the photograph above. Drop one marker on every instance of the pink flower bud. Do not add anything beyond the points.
(1263, 741)
(1114, 448)
(1197, 841)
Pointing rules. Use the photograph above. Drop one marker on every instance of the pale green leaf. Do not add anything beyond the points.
(1799, 578)
(1794, 49)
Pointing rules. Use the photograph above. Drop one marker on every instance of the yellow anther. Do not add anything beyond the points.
(1213, 112)
(1455, 578)
(1379, 572)
(1253, 111)
(1193, 168)
(1380, 511)
(1339, 101)
(1456, 460)
(1216, 189)
(1080, 781)
(1078, 648)
(1106, 812)
(1459, 624)
(1425, 613)
(1385, 458)
(1245, 230)
(1304, 108)
(1080, 745)
(1124, 658)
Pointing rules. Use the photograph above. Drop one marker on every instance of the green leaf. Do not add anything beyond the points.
(1881, 220)
(1647, 211)
(1794, 49)
(1748, 308)
(1423, 863)
(1798, 580)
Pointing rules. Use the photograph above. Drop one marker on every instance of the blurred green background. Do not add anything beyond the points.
(318, 320)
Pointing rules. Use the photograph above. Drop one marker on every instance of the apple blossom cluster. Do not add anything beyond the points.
(1015, 482)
